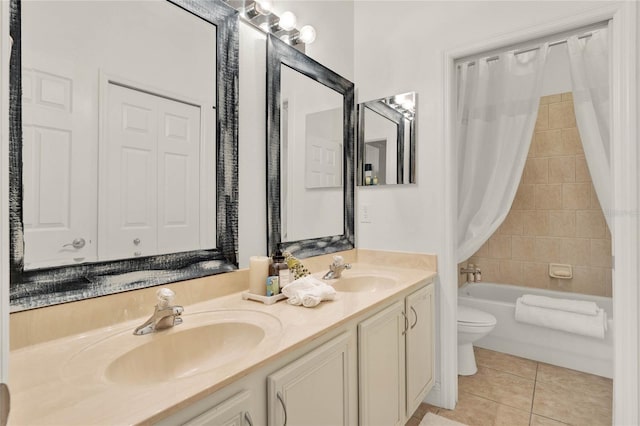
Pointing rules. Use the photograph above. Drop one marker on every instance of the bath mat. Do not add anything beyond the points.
(431, 419)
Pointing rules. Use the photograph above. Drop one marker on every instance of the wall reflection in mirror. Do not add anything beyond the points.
(387, 140)
(312, 190)
(118, 147)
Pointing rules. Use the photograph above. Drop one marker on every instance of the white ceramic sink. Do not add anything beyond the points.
(364, 283)
(203, 342)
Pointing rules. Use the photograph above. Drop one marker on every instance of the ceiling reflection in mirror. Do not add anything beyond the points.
(387, 138)
(119, 131)
(312, 193)
(123, 146)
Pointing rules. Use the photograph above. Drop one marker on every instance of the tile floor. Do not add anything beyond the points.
(513, 391)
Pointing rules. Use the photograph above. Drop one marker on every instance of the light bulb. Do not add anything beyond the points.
(307, 34)
(287, 21)
(264, 7)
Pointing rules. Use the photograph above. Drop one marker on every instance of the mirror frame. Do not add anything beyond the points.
(281, 54)
(53, 285)
(399, 120)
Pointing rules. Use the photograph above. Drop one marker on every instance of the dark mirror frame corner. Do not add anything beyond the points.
(281, 54)
(49, 286)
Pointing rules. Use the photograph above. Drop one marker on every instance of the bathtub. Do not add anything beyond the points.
(555, 347)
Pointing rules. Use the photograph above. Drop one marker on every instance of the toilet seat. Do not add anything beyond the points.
(471, 317)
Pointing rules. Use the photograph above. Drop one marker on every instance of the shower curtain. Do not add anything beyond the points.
(589, 65)
(497, 109)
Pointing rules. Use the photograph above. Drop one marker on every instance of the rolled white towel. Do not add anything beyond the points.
(294, 300)
(311, 300)
(577, 306)
(308, 291)
(585, 325)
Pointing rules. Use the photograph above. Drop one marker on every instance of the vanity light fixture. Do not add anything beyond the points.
(258, 8)
(307, 34)
(259, 13)
(287, 21)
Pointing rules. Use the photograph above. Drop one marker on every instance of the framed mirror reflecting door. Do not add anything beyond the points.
(123, 146)
(310, 154)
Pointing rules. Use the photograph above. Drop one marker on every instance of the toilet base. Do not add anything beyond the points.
(466, 360)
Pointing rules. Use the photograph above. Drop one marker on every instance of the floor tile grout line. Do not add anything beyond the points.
(493, 400)
(533, 397)
(509, 373)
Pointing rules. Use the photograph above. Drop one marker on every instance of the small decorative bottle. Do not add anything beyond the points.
(280, 269)
(368, 170)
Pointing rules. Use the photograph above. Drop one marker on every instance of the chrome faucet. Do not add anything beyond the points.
(336, 268)
(164, 315)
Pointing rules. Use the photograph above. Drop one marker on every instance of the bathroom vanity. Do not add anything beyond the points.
(366, 355)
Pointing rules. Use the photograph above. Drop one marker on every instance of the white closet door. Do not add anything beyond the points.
(129, 215)
(178, 176)
(324, 163)
(153, 175)
(59, 196)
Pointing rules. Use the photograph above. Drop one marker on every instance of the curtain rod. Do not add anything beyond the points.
(531, 49)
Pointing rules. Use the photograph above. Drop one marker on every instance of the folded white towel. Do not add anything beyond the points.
(586, 325)
(308, 291)
(569, 305)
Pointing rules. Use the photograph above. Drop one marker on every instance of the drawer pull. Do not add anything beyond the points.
(416, 314)
(406, 323)
(284, 408)
(247, 417)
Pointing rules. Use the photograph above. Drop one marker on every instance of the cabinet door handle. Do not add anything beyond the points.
(406, 323)
(284, 408)
(416, 314)
(247, 417)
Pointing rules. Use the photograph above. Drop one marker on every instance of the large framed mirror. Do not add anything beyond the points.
(387, 140)
(310, 154)
(123, 146)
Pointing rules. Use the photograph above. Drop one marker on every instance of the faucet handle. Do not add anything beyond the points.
(165, 297)
(338, 260)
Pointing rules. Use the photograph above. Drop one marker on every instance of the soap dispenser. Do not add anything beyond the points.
(279, 268)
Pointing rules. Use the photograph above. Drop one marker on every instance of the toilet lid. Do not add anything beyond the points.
(471, 316)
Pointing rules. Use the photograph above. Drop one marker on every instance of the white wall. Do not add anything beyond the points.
(557, 77)
(333, 48)
(409, 57)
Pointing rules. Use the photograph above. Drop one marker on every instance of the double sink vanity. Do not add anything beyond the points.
(364, 358)
(85, 265)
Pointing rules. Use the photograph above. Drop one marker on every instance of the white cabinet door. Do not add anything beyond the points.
(419, 346)
(381, 354)
(318, 389)
(235, 411)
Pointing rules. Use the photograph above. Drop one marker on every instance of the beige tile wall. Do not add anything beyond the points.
(555, 217)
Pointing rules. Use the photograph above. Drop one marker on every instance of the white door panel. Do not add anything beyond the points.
(131, 172)
(58, 178)
(178, 177)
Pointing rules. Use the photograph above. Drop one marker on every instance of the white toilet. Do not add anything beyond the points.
(473, 324)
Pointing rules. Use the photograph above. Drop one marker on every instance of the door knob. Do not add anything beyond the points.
(78, 243)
